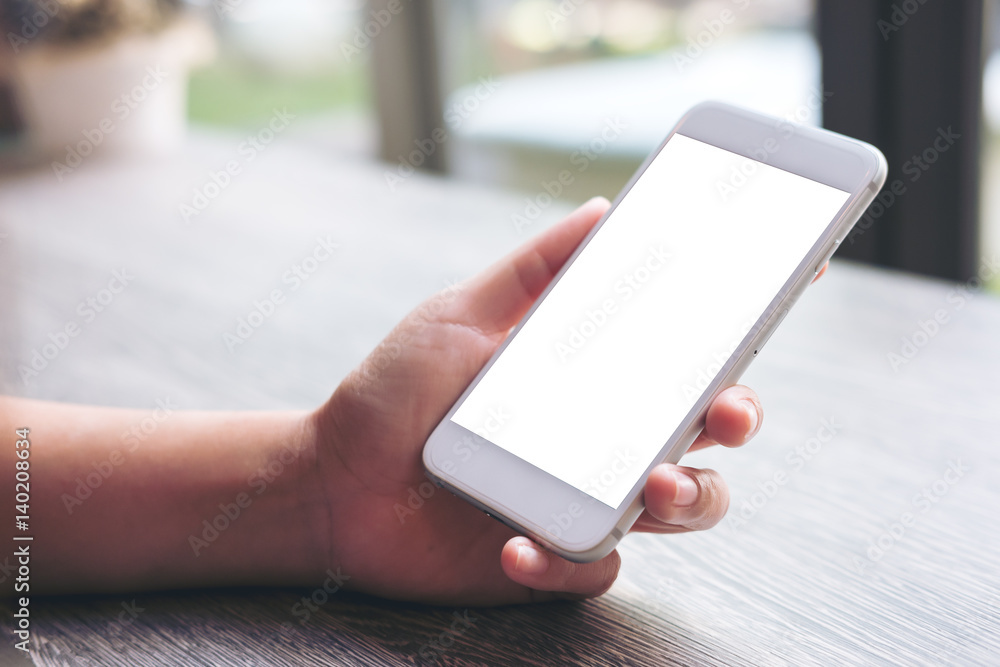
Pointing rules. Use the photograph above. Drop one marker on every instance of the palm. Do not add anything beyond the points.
(394, 533)
(380, 417)
(431, 545)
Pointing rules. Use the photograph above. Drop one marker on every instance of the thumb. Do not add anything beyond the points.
(497, 298)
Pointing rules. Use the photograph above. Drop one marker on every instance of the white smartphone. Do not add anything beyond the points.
(662, 306)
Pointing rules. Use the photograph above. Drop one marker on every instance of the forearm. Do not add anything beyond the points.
(131, 499)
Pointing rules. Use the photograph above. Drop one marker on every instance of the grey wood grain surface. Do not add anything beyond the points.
(848, 540)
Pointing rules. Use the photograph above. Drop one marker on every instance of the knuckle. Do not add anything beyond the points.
(713, 500)
(609, 567)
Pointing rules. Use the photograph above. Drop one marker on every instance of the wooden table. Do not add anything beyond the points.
(829, 556)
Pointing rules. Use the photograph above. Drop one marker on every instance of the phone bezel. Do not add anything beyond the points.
(538, 504)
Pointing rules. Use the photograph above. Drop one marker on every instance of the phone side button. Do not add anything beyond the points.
(775, 321)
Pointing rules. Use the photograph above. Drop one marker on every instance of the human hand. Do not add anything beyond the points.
(369, 438)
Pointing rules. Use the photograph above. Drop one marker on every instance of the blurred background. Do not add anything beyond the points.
(509, 93)
(218, 154)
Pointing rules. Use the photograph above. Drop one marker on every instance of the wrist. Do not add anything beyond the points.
(251, 508)
(205, 499)
(288, 538)
(340, 528)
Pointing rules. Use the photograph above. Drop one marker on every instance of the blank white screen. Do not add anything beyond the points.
(593, 408)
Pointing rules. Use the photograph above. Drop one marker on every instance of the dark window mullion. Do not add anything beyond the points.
(897, 88)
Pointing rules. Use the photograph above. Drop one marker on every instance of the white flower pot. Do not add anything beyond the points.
(127, 96)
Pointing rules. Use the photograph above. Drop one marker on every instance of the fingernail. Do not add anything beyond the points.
(687, 490)
(751, 409)
(530, 560)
